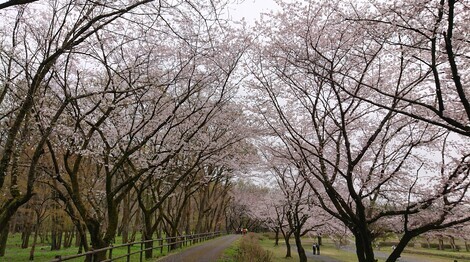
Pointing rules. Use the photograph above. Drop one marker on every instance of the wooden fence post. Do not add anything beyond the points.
(128, 253)
(110, 252)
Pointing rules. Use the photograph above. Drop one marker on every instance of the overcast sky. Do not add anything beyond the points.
(251, 9)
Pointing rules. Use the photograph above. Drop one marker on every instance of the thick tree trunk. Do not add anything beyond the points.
(147, 234)
(3, 238)
(81, 240)
(97, 243)
(360, 250)
(288, 248)
(399, 248)
(300, 248)
(364, 249)
(126, 213)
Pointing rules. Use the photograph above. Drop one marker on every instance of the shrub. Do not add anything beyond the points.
(249, 250)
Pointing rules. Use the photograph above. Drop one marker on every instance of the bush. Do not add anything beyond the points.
(249, 250)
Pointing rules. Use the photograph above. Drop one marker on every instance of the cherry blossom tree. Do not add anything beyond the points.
(430, 40)
(113, 95)
(365, 162)
(295, 190)
(37, 40)
(297, 212)
(245, 206)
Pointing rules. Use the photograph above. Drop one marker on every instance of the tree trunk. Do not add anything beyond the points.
(452, 243)
(360, 250)
(97, 243)
(288, 249)
(56, 239)
(78, 238)
(399, 248)
(136, 226)
(69, 235)
(300, 248)
(25, 237)
(276, 237)
(3, 238)
(33, 247)
(364, 250)
(147, 234)
(126, 213)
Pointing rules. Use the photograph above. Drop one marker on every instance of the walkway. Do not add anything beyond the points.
(208, 251)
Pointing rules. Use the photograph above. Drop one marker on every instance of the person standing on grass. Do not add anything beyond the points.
(314, 247)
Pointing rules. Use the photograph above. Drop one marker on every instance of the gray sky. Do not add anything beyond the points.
(251, 9)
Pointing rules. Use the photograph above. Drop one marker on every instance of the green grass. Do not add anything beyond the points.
(230, 253)
(43, 252)
(432, 254)
(329, 249)
(444, 255)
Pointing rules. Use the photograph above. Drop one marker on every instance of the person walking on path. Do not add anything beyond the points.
(314, 247)
(318, 249)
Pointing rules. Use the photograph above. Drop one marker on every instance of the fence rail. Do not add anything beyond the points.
(167, 242)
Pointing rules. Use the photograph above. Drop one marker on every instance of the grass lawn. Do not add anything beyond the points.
(438, 255)
(329, 249)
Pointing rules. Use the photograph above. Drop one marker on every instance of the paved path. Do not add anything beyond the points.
(208, 251)
(319, 258)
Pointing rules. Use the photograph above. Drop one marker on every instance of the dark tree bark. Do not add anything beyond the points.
(3, 239)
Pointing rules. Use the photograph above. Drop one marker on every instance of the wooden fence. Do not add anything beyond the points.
(162, 243)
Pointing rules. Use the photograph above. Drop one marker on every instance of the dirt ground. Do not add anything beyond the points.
(208, 251)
